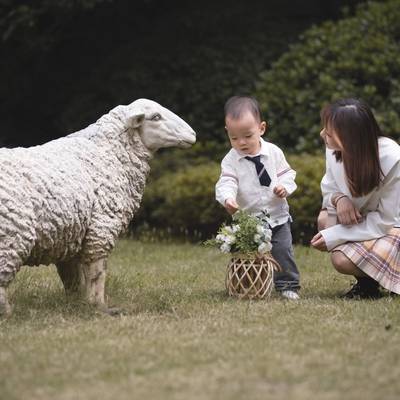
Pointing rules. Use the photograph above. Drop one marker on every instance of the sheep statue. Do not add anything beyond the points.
(67, 201)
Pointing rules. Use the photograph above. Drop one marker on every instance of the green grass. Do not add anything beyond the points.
(181, 337)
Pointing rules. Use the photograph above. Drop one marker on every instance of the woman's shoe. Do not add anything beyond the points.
(364, 288)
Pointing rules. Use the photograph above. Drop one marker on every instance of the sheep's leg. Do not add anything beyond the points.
(72, 277)
(95, 279)
(8, 271)
(5, 308)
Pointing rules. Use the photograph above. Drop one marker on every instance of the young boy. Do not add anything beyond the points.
(255, 176)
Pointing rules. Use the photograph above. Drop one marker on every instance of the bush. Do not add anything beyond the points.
(305, 202)
(184, 201)
(356, 57)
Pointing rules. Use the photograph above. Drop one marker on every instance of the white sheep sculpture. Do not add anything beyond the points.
(67, 201)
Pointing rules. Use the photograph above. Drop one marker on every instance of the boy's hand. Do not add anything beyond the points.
(231, 206)
(318, 242)
(280, 191)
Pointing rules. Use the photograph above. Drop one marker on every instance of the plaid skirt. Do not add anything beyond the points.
(378, 258)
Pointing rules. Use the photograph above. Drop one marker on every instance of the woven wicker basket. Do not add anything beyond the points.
(251, 277)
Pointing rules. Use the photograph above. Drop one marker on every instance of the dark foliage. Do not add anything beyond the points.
(65, 63)
(358, 56)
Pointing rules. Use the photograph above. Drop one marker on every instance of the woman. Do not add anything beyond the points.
(360, 218)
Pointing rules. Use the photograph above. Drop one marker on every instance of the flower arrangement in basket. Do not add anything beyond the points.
(251, 269)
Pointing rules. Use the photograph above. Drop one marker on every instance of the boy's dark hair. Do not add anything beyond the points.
(236, 106)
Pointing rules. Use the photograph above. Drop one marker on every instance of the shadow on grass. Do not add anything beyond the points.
(50, 306)
(324, 295)
(53, 304)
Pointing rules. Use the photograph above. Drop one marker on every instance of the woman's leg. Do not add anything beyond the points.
(325, 220)
(343, 265)
(365, 287)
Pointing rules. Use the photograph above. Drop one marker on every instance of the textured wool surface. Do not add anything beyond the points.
(72, 197)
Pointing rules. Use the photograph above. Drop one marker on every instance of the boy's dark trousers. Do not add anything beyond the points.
(282, 251)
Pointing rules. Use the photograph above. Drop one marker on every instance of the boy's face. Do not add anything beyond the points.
(245, 132)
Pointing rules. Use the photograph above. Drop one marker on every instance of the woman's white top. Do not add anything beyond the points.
(380, 208)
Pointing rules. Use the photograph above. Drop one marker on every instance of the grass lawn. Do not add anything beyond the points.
(181, 337)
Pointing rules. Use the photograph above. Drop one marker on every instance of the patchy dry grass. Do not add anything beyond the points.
(181, 337)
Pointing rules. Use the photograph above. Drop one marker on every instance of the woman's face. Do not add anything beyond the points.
(331, 139)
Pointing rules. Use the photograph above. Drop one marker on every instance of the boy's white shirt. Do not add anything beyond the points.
(380, 208)
(239, 181)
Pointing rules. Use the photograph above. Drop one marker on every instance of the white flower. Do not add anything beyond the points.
(257, 238)
(225, 248)
(235, 228)
(264, 247)
(260, 229)
(230, 239)
(219, 238)
(268, 234)
(228, 230)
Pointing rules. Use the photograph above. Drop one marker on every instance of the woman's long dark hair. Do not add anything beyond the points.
(357, 129)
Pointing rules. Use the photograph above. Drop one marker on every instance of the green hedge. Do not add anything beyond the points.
(305, 202)
(355, 57)
(184, 201)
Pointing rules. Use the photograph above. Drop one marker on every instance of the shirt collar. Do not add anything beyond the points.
(263, 151)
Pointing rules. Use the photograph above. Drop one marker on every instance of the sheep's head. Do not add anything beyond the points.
(158, 126)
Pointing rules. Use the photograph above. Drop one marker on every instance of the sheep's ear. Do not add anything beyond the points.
(135, 121)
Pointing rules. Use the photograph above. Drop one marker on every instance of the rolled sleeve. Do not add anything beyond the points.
(285, 174)
(227, 185)
(328, 188)
(376, 223)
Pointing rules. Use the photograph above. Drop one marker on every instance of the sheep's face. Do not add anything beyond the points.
(160, 127)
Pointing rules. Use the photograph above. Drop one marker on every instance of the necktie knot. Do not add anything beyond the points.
(255, 159)
(263, 176)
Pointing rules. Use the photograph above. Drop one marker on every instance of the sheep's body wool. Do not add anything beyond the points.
(70, 197)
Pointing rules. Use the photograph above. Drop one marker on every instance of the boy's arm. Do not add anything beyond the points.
(227, 185)
(285, 174)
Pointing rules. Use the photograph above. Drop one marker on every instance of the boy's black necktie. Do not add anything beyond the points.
(263, 176)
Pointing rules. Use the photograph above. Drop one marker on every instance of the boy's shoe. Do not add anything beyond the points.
(290, 295)
(364, 288)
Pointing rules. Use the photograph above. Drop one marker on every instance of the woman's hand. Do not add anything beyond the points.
(231, 206)
(318, 242)
(347, 212)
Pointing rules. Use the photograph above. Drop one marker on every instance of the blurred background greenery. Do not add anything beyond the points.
(65, 63)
